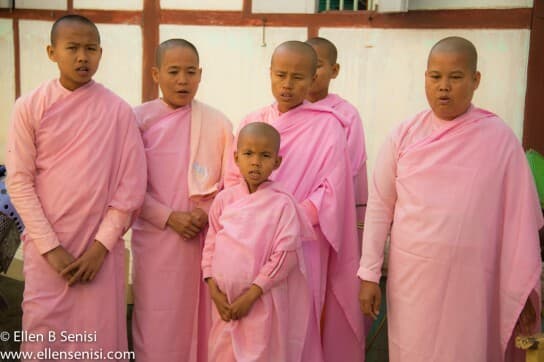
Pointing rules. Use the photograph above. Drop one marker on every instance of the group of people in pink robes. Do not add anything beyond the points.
(248, 248)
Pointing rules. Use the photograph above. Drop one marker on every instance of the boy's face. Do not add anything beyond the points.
(178, 76)
(450, 84)
(256, 158)
(291, 78)
(324, 73)
(77, 53)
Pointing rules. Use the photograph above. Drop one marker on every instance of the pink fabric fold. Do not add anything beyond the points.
(464, 254)
(353, 127)
(315, 168)
(246, 232)
(76, 173)
(183, 147)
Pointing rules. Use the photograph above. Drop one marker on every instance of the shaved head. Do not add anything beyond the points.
(73, 18)
(260, 129)
(455, 44)
(332, 52)
(301, 48)
(172, 43)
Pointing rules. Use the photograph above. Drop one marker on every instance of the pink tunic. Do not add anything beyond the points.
(171, 317)
(464, 246)
(353, 127)
(254, 239)
(76, 173)
(315, 169)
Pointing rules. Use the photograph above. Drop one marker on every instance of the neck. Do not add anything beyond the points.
(282, 110)
(317, 96)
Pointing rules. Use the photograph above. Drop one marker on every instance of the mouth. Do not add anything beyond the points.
(444, 100)
(254, 174)
(83, 71)
(183, 92)
(286, 96)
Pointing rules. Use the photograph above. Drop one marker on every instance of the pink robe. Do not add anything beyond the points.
(185, 150)
(315, 169)
(355, 137)
(254, 239)
(464, 253)
(76, 173)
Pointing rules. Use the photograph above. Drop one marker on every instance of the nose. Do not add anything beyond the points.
(182, 78)
(287, 83)
(82, 55)
(255, 161)
(444, 84)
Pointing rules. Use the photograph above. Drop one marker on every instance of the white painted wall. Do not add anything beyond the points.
(202, 4)
(41, 4)
(467, 4)
(235, 65)
(284, 6)
(7, 81)
(389, 66)
(109, 4)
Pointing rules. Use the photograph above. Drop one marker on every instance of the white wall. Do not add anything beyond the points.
(203, 4)
(235, 65)
(389, 65)
(41, 4)
(109, 4)
(284, 6)
(467, 4)
(7, 81)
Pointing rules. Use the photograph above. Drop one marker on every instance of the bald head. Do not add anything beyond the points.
(457, 45)
(260, 129)
(327, 45)
(172, 43)
(71, 18)
(301, 48)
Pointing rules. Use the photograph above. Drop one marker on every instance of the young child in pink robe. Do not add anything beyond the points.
(252, 260)
(185, 142)
(327, 70)
(453, 188)
(76, 174)
(316, 170)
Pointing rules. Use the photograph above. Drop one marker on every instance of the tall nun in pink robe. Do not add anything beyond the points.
(328, 69)
(253, 261)
(185, 142)
(453, 188)
(76, 174)
(316, 170)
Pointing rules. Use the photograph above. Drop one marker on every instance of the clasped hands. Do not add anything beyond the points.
(240, 307)
(82, 269)
(187, 224)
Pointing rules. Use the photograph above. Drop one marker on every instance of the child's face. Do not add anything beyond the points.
(256, 158)
(291, 78)
(178, 76)
(325, 71)
(77, 53)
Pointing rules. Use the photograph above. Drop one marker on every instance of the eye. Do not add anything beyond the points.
(173, 72)
(434, 76)
(92, 49)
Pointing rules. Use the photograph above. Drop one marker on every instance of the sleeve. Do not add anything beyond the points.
(21, 171)
(130, 192)
(379, 213)
(209, 243)
(155, 212)
(276, 269)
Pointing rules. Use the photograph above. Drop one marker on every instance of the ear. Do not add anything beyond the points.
(155, 74)
(477, 76)
(278, 162)
(199, 71)
(236, 157)
(335, 70)
(51, 53)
